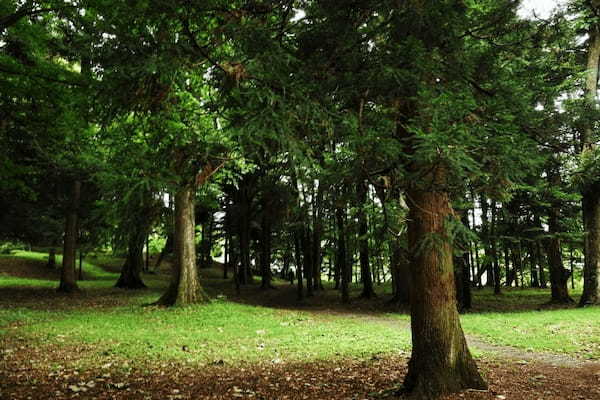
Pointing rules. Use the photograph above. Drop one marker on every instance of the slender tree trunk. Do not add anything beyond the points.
(509, 276)
(541, 262)
(494, 250)
(298, 254)
(185, 287)
(363, 242)
(345, 270)
(51, 258)
(441, 362)
(265, 248)
(317, 255)
(67, 276)
(307, 266)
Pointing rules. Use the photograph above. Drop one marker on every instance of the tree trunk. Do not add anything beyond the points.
(591, 196)
(51, 259)
(345, 271)
(67, 276)
(440, 362)
(298, 254)
(167, 249)
(131, 271)
(400, 269)
(185, 287)
(307, 266)
(494, 250)
(363, 242)
(265, 248)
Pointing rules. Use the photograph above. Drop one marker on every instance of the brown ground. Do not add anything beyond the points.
(22, 377)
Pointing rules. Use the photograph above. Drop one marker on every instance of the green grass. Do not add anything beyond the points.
(571, 331)
(220, 330)
(113, 324)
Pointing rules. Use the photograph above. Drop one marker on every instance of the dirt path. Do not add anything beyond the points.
(505, 352)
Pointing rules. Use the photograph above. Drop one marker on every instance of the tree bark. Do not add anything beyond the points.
(67, 276)
(591, 196)
(440, 362)
(185, 287)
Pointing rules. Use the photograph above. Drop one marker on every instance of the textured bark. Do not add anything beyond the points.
(185, 287)
(67, 276)
(440, 362)
(591, 196)
(363, 242)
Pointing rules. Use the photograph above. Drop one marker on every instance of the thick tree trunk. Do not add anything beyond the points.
(131, 270)
(591, 196)
(440, 362)
(185, 287)
(363, 242)
(67, 276)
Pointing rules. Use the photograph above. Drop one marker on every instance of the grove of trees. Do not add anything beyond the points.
(440, 145)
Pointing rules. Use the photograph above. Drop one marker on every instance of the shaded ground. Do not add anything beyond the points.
(23, 377)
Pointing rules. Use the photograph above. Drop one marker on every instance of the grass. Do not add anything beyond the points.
(112, 324)
(221, 330)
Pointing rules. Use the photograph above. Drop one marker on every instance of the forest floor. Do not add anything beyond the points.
(104, 343)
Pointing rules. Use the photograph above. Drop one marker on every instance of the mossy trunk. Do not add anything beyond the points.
(440, 362)
(185, 287)
(67, 275)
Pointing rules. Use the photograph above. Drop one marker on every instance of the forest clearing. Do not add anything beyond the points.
(304, 199)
